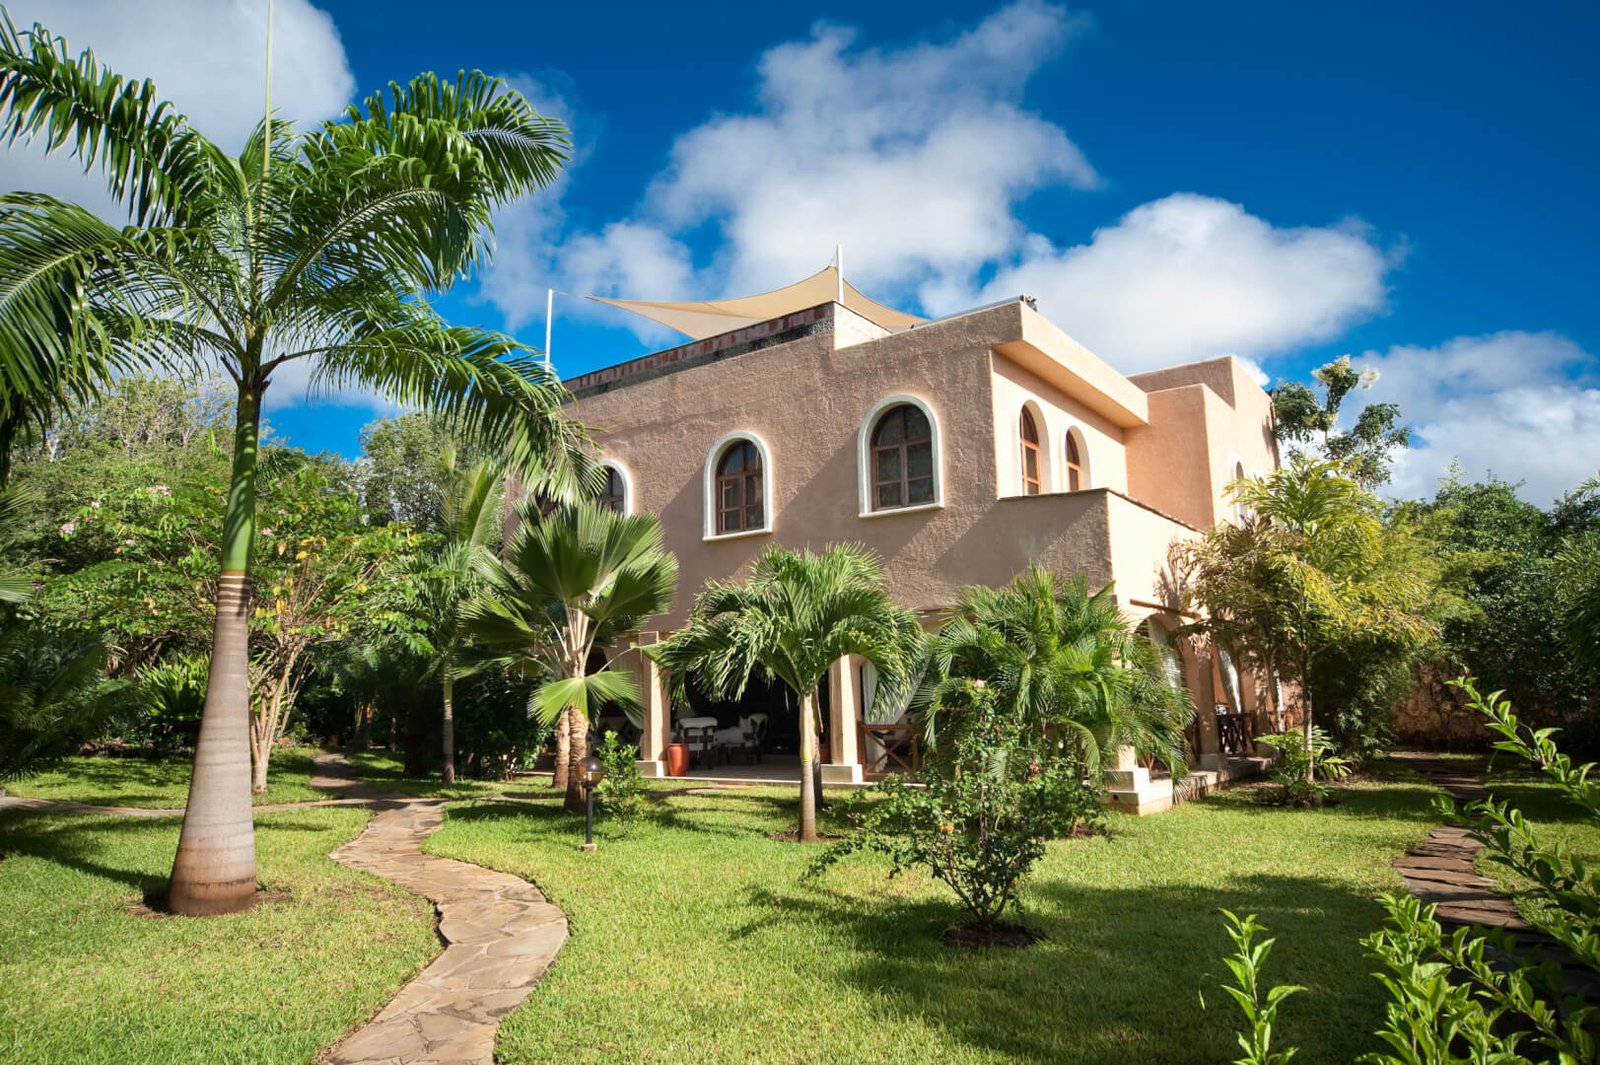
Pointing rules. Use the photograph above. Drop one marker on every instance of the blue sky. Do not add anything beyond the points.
(1409, 183)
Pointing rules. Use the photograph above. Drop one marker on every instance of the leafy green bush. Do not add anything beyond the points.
(621, 790)
(1302, 772)
(981, 817)
(172, 695)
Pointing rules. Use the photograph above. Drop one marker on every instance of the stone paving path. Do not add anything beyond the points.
(501, 936)
(500, 933)
(1443, 869)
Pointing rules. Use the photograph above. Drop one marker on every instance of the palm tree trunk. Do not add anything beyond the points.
(577, 751)
(215, 868)
(810, 769)
(558, 779)
(449, 773)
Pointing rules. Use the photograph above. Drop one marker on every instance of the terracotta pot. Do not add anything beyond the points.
(677, 759)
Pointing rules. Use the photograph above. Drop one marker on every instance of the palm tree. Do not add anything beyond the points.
(1062, 662)
(315, 245)
(575, 579)
(797, 615)
(439, 584)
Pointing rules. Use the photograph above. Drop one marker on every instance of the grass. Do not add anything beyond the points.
(384, 770)
(87, 981)
(695, 939)
(158, 783)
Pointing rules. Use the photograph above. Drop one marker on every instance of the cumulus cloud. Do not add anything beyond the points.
(914, 158)
(206, 56)
(1522, 406)
(918, 160)
(1189, 277)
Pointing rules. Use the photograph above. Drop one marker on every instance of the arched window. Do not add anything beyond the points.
(740, 498)
(1029, 433)
(614, 496)
(1075, 478)
(902, 459)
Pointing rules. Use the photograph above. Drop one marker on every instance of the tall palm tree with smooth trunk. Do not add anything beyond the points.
(572, 580)
(796, 615)
(315, 246)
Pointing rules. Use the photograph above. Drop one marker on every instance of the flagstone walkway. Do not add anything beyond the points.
(500, 933)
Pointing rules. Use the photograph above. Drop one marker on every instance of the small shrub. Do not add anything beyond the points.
(1302, 773)
(1260, 1010)
(979, 819)
(621, 790)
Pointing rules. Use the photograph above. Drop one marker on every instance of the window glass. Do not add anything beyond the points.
(902, 459)
(739, 489)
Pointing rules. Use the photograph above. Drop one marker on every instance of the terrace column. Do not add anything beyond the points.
(655, 704)
(844, 723)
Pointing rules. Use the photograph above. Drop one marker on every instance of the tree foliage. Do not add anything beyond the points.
(1302, 418)
(1304, 576)
(797, 614)
(579, 578)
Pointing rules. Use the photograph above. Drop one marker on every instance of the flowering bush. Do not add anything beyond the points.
(978, 817)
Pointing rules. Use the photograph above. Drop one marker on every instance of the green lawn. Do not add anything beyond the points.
(85, 980)
(694, 939)
(384, 770)
(158, 783)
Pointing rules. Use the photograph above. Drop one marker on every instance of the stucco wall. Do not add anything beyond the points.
(807, 399)
(1102, 442)
(1206, 419)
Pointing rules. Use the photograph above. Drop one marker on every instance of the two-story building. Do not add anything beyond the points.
(959, 450)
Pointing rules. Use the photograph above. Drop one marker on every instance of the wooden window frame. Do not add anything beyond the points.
(1074, 463)
(1028, 438)
(743, 482)
(902, 483)
(618, 502)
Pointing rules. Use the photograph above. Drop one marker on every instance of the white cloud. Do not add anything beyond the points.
(1190, 277)
(917, 159)
(1523, 406)
(206, 56)
(913, 158)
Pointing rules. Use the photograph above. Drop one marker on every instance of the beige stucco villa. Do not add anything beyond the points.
(959, 449)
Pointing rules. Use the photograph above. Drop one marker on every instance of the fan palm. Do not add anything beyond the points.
(315, 245)
(1060, 661)
(797, 615)
(578, 578)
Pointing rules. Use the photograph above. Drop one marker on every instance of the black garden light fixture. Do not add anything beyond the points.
(590, 773)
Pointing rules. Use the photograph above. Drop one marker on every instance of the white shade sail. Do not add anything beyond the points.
(708, 318)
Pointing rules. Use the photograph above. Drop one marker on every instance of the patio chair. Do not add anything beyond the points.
(746, 738)
(699, 734)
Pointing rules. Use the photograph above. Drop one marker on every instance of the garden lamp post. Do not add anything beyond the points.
(590, 773)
